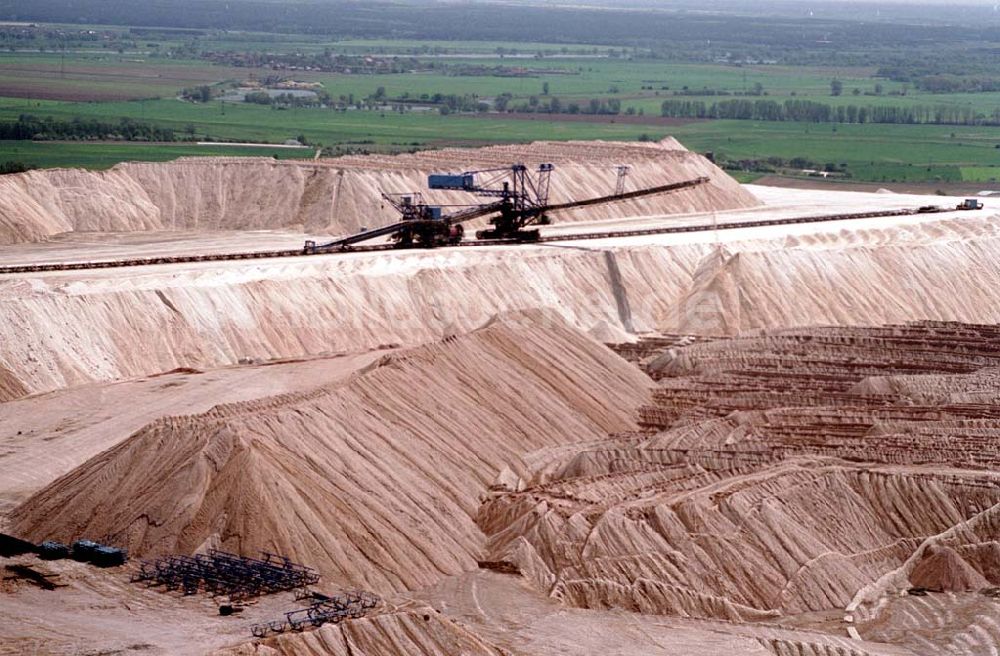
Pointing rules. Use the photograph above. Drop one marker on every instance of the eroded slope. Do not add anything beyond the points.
(786, 473)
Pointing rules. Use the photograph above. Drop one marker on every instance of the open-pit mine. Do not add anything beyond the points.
(649, 411)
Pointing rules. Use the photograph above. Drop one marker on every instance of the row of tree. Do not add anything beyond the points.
(964, 75)
(816, 112)
(781, 164)
(555, 105)
(316, 99)
(126, 129)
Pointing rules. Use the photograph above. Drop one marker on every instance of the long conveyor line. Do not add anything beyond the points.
(252, 255)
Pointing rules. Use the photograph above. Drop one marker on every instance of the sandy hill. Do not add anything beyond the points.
(373, 481)
(336, 196)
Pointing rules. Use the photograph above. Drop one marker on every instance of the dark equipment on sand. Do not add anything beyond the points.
(521, 200)
(222, 573)
(323, 610)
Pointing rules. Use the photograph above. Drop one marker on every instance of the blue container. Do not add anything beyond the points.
(462, 181)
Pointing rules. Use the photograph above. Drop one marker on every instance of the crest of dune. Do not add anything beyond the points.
(64, 330)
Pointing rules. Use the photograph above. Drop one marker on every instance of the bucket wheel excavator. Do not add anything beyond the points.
(516, 200)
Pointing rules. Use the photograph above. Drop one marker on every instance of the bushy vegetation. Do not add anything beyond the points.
(285, 100)
(783, 165)
(47, 128)
(970, 74)
(203, 93)
(556, 105)
(14, 166)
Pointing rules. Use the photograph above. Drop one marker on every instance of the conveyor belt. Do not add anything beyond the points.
(336, 247)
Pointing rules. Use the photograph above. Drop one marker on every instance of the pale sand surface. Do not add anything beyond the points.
(395, 418)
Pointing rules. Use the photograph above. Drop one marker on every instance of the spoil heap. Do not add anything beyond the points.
(784, 473)
(374, 482)
(336, 196)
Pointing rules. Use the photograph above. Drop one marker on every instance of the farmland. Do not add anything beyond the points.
(248, 122)
(567, 89)
(92, 78)
(876, 152)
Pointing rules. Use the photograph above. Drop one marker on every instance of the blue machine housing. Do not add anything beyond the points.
(460, 181)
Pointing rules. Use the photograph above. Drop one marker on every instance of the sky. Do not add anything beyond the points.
(756, 3)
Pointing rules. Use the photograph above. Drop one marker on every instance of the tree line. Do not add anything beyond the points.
(46, 128)
(554, 105)
(975, 72)
(816, 112)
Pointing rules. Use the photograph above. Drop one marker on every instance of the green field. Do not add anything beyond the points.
(891, 144)
(140, 77)
(872, 152)
(989, 174)
(572, 78)
(256, 123)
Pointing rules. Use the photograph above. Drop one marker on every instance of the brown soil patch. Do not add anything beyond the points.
(943, 570)
(106, 83)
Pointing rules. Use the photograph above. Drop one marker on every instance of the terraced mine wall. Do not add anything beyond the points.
(68, 329)
(783, 473)
(341, 195)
